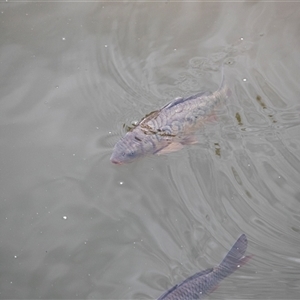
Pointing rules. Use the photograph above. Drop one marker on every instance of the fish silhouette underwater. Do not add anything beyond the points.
(169, 128)
(201, 284)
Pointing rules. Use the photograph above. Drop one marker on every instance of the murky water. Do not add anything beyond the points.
(73, 225)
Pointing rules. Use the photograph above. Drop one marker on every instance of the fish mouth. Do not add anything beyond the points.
(115, 161)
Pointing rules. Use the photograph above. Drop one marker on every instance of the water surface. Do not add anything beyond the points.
(75, 226)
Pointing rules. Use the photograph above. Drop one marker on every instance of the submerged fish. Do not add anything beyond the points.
(168, 129)
(203, 283)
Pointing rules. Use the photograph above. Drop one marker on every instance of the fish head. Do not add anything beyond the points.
(132, 146)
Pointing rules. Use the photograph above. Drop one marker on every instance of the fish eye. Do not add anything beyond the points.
(131, 154)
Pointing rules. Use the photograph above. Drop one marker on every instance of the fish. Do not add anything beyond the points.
(169, 128)
(201, 284)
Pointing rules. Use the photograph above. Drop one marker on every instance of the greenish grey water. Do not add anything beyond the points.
(75, 226)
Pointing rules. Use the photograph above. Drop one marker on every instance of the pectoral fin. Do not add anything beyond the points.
(174, 146)
(189, 140)
(178, 144)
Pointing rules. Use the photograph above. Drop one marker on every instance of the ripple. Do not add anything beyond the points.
(81, 226)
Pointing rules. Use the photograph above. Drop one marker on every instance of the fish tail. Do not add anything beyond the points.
(235, 257)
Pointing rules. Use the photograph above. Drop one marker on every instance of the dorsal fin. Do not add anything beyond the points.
(173, 102)
(179, 100)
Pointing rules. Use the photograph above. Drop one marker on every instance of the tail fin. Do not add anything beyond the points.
(235, 257)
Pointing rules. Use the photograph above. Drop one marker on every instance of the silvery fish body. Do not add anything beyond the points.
(202, 283)
(169, 128)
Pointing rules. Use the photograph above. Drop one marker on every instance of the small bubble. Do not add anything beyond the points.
(56, 86)
(65, 217)
(109, 132)
(15, 256)
(105, 46)
(74, 154)
(97, 128)
(242, 38)
(121, 182)
(244, 79)
(238, 266)
(175, 49)
(63, 38)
